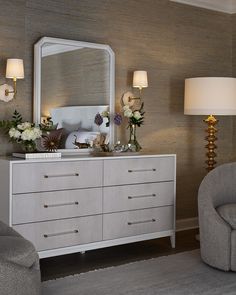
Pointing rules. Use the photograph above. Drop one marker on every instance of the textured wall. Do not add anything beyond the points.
(233, 23)
(169, 40)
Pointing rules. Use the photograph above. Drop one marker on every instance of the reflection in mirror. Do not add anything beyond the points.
(72, 77)
(73, 82)
(79, 126)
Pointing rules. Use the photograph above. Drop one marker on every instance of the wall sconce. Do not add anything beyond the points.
(14, 71)
(140, 81)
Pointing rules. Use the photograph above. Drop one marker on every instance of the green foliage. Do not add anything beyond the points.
(17, 118)
(6, 125)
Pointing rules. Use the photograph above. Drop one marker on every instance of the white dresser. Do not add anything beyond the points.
(76, 204)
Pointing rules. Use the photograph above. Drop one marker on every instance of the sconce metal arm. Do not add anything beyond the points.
(7, 91)
(136, 97)
(133, 98)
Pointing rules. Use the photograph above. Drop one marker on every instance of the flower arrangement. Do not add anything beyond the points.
(23, 133)
(98, 120)
(136, 117)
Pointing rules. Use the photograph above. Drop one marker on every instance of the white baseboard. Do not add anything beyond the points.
(188, 223)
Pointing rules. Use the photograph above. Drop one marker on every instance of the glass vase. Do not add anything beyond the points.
(29, 147)
(134, 145)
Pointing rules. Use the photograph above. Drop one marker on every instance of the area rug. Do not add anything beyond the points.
(179, 274)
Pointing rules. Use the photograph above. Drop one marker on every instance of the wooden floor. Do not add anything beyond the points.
(66, 265)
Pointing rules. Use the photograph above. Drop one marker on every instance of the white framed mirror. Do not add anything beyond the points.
(73, 81)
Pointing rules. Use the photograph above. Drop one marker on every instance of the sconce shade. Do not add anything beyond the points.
(210, 96)
(15, 68)
(140, 79)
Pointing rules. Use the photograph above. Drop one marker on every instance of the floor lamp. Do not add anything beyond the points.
(211, 96)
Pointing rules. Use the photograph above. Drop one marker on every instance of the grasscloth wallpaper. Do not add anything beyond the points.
(169, 40)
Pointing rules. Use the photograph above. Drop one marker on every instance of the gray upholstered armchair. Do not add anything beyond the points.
(19, 264)
(217, 217)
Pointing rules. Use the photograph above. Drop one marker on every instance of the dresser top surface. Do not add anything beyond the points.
(102, 156)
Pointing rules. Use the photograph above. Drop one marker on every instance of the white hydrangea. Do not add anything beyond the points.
(14, 133)
(31, 134)
(37, 132)
(23, 126)
(27, 134)
(126, 107)
(127, 112)
(137, 115)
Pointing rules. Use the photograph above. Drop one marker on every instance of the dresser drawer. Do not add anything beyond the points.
(138, 170)
(35, 207)
(138, 222)
(140, 196)
(62, 233)
(37, 177)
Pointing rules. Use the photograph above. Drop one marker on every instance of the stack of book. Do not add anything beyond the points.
(40, 155)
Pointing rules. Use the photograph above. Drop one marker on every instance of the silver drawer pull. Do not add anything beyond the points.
(61, 175)
(142, 196)
(142, 221)
(61, 233)
(142, 170)
(60, 204)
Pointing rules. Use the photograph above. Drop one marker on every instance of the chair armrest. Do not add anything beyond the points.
(19, 280)
(215, 233)
(6, 230)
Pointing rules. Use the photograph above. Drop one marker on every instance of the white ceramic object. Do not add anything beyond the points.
(125, 99)
(3, 96)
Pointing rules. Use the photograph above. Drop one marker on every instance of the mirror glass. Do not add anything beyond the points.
(73, 82)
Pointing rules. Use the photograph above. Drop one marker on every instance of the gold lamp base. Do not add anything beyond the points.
(211, 130)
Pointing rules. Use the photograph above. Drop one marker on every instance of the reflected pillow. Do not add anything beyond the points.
(80, 136)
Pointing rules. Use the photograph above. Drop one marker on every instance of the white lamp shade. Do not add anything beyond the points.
(210, 96)
(140, 79)
(15, 68)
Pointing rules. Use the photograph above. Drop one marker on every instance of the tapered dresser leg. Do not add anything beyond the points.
(172, 240)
